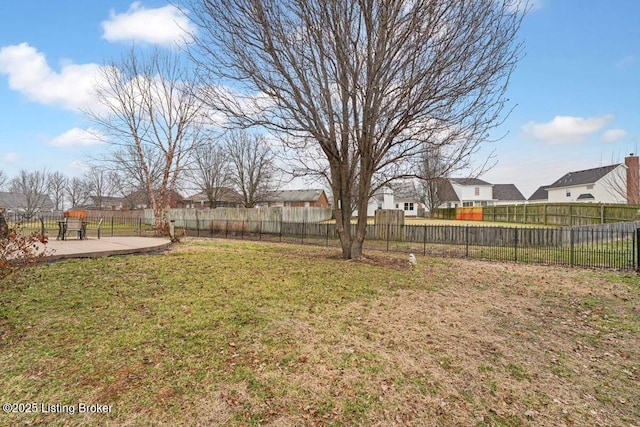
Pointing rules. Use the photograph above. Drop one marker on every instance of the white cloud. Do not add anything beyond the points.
(613, 135)
(167, 25)
(30, 75)
(626, 62)
(80, 166)
(566, 129)
(77, 137)
(10, 158)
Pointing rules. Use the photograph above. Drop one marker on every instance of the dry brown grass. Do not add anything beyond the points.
(300, 337)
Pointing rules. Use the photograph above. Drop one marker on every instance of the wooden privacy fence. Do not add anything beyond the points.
(562, 214)
(214, 217)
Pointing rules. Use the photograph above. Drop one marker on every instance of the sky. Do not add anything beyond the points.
(574, 96)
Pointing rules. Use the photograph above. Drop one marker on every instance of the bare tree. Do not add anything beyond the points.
(100, 183)
(3, 180)
(252, 167)
(78, 191)
(57, 185)
(211, 171)
(151, 118)
(366, 81)
(30, 189)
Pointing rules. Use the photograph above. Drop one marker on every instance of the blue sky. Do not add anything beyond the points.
(576, 92)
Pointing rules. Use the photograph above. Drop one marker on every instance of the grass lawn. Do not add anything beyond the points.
(245, 333)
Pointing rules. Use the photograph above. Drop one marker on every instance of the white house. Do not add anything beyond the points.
(400, 196)
(467, 192)
(406, 198)
(616, 183)
(382, 199)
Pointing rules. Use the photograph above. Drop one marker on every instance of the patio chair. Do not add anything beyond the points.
(77, 225)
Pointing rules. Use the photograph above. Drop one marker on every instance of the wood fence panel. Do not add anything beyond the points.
(562, 214)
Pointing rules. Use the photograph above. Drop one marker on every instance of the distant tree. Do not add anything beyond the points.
(3, 180)
(57, 184)
(252, 166)
(32, 190)
(211, 171)
(100, 183)
(78, 191)
(364, 83)
(151, 117)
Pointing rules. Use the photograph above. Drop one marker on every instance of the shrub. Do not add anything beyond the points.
(18, 251)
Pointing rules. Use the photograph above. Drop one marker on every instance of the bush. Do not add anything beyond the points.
(18, 251)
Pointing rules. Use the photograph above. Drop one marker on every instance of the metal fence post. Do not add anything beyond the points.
(466, 241)
(515, 244)
(571, 256)
(637, 248)
(139, 227)
(424, 240)
(388, 234)
(226, 229)
(327, 234)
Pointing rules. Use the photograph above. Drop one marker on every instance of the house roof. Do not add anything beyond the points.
(19, 201)
(141, 197)
(405, 192)
(223, 194)
(540, 194)
(507, 192)
(310, 195)
(11, 200)
(586, 196)
(446, 193)
(587, 176)
(469, 181)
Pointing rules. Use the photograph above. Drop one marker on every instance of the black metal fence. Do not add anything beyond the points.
(609, 246)
(109, 226)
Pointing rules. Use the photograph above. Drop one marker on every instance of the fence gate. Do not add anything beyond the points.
(389, 224)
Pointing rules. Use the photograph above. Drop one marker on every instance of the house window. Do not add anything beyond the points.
(467, 204)
(379, 205)
(476, 191)
(408, 206)
(568, 193)
(397, 206)
(483, 203)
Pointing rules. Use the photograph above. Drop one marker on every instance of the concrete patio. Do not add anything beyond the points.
(106, 246)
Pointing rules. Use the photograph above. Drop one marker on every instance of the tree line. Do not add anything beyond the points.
(237, 160)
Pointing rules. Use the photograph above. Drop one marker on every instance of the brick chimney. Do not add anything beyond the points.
(633, 179)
